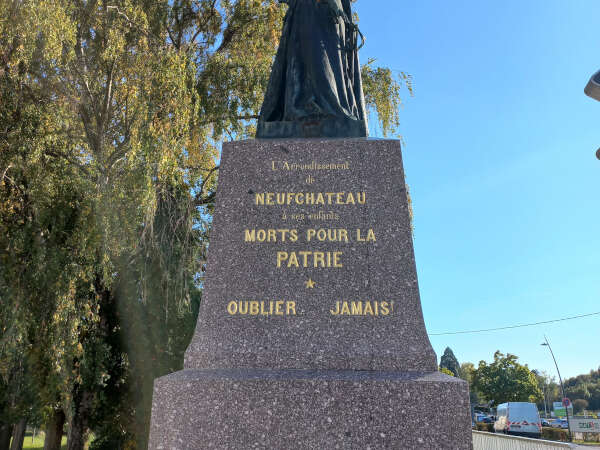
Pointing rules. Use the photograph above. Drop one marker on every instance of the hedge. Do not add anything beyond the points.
(488, 427)
(555, 434)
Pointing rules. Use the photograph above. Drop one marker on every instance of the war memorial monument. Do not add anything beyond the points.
(310, 333)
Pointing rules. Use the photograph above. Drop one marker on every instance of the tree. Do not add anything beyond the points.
(446, 371)
(585, 387)
(467, 373)
(580, 405)
(505, 380)
(449, 362)
(550, 390)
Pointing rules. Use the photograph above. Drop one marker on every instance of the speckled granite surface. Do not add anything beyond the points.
(317, 410)
(311, 332)
(378, 271)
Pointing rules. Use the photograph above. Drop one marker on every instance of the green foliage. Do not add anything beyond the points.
(580, 405)
(449, 362)
(585, 387)
(467, 373)
(383, 94)
(550, 390)
(446, 371)
(107, 442)
(93, 137)
(486, 427)
(505, 380)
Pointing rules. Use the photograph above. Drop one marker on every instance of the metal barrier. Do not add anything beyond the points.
(492, 441)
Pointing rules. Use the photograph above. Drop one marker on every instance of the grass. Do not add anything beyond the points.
(38, 441)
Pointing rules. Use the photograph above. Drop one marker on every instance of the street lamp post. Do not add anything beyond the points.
(592, 89)
(562, 387)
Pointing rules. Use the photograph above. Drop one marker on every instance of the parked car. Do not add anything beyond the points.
(486, 419)
(560, 423)
(518, 418)
(545, 423)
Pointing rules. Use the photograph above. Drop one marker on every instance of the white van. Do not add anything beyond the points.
(518, 418)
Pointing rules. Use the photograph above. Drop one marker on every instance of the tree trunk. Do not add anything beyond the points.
(76, 437)
(79, 422)
(54, 430)
(19, 435)
(5, 435)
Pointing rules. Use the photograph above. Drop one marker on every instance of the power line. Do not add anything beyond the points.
(516, 326)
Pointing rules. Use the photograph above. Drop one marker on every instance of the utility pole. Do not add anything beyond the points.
(562, 388)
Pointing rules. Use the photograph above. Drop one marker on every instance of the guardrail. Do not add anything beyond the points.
(492, 441)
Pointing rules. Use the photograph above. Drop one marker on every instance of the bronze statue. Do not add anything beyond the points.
(315, 89)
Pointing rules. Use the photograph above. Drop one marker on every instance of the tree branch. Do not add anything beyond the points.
(206, 200)
(73, 161)
(133, 24)
(218, 119)
(4, 173)
(199, 200)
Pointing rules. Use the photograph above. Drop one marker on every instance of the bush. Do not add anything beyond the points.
(555, 434)
(112, 443)
(487, 427)
(580, 405)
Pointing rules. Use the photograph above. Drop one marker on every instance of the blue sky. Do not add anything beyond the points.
(499, 156)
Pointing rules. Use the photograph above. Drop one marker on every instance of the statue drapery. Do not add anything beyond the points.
(315, 89)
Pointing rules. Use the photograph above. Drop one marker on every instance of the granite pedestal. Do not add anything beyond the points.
(310, 334)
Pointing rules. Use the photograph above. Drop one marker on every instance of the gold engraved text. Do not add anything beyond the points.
(270, 235)
(330, 234)
(309, 259)
(368, 308)
(310, 198)
(261, 308)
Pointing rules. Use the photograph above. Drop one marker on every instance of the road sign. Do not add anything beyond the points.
(566, 402)
(560, 411)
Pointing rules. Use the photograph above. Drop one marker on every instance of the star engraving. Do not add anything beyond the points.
(310, 284)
